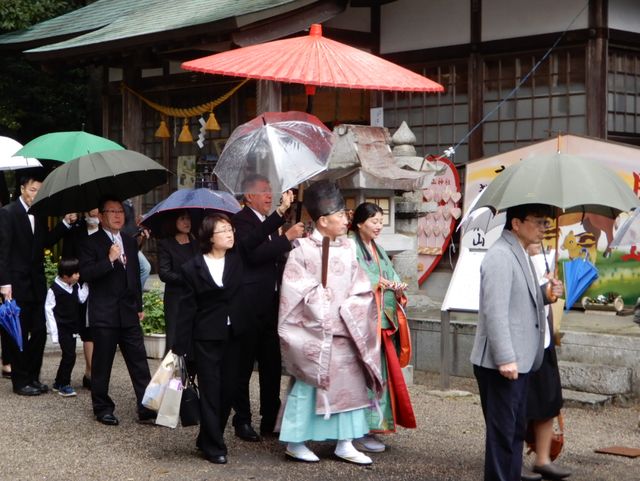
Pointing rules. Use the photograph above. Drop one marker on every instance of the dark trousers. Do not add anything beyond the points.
(68, 359)
(5, 340)
(263, 346)
(216, 364)
(504, 405)
(105, 341)
(26, 365)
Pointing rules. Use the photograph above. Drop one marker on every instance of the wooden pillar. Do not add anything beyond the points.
(596, 68)
(132, 133)
(476, 76)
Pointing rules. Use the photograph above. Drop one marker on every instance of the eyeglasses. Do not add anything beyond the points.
(225, 231)
(541, 223)
(113, 211)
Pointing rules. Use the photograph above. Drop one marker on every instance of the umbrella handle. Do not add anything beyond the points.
(299, 203)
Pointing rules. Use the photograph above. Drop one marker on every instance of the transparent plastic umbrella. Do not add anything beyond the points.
(287, 148)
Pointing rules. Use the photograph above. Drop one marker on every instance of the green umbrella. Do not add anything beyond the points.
(78, 185)
(565, 181)
(64, 146)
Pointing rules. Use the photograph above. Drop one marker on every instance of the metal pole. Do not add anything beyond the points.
(445, 349)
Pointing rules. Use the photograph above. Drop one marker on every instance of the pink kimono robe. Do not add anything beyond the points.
(328, 335)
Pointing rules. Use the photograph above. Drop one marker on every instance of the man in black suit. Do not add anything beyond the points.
(109, 263)
(261, 280)
(22, 278)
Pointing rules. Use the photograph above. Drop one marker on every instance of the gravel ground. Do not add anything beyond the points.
(53, 438)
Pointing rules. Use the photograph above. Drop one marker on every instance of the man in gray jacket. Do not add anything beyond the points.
(509, 340)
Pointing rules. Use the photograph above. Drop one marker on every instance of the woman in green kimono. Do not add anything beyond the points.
(394, 408)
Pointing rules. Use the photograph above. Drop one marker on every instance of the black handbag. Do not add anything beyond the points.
(190, 403)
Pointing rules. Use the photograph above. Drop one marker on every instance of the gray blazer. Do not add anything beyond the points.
(511, 317)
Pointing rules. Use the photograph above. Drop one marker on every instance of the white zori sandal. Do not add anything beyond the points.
(300, 452)
(346, 451)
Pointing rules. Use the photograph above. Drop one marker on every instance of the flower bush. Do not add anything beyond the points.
(50, 267)
(153, 306)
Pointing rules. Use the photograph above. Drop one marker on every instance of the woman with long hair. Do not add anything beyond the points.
(394, 406)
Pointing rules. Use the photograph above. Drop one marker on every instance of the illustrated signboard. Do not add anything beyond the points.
(619, 268)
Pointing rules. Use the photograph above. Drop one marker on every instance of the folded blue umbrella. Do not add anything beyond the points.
(579, 273)
(10, 321)
(198, 202)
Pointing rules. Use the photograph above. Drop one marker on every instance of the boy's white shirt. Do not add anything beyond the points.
(50, 303)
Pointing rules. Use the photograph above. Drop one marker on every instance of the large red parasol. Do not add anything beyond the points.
(314, 60)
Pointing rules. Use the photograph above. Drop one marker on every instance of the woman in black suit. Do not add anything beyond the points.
(210, 321)
(177, 248)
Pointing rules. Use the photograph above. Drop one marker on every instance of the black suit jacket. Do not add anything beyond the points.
(263, 263)
(116, 293)
(22, 252)
(204, 307)
(171, 257)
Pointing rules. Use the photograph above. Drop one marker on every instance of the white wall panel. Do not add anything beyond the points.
(503, 19)
(419, 24)
(624, 15)
(358, 19)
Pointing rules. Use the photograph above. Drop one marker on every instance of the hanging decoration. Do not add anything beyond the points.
(185, 134)
(163, 130)
(185, 113)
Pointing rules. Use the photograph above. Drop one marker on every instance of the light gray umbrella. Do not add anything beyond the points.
(79, 184)
(628, 234)
(568, 182)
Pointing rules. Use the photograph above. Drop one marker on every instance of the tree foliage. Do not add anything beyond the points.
(34, 101)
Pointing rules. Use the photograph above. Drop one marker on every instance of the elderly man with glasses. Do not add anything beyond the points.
(509, 341)
(109, 263)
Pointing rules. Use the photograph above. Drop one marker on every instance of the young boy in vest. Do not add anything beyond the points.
(62, 310)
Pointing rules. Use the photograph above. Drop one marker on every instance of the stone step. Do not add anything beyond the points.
(585, 399)
(595, 378)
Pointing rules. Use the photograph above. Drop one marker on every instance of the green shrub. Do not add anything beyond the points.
(153, 306)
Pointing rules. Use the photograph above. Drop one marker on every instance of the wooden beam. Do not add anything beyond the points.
(476, 78)
(596, 71)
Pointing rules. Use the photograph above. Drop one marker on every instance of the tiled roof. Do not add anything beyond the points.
(109, 20)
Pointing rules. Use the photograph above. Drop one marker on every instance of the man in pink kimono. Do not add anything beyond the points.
(327, 336)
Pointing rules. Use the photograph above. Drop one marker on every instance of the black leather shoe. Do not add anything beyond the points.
(27, 391)
(6, 374)
(269, 434)
(526, 475)
(147, 416)
(108, 419)
(551, 471)
(43, 388)
(86, 382)
(247, 433)
(222, 459)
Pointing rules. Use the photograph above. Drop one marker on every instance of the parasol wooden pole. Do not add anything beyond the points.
(325, 260)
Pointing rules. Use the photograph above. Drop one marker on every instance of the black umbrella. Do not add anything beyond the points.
(79, 184)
